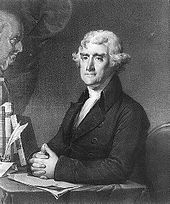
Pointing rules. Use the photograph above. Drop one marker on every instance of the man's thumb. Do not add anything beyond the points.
(47, 149)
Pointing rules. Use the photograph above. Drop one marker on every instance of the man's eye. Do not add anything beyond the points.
(100, 59)
(13, 41)
(84, 57)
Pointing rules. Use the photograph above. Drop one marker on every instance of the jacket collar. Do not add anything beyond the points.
(109, 95)
(112, 92)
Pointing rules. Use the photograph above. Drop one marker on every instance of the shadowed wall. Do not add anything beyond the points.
(143, 27)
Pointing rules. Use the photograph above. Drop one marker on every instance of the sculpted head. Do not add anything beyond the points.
(99, 56)
(11, 31)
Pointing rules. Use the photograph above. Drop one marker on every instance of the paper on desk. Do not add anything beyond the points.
(4, 166)
(58, 192)
(57, 188)
(35, 181)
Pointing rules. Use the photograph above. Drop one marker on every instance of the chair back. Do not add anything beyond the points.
(158, 163)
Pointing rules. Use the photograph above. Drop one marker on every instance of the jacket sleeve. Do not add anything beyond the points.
(129, 138)
(57, 144)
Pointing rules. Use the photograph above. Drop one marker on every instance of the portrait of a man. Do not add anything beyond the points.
(11, 35)
(93, 79)
(10, 42)
(90, 146)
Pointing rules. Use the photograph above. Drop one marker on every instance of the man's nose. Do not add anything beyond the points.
(18, 47)
(90, 66)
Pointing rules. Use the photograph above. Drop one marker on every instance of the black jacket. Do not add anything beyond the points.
(107, 145)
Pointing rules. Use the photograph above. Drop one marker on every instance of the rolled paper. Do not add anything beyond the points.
(8, 128)
(2, 131)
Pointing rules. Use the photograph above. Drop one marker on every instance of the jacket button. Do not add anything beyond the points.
(101, 124)
(94, 140)
(90, 154)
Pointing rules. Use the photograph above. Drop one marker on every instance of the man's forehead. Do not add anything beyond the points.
(91, 48)
(13, 27)
(10, 33)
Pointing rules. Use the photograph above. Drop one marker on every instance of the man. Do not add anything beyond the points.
(10, 38)
(11, 31)
(102, 136)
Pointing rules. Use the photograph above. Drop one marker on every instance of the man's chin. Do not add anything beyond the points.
(92, 84)
(4, 66)
(10, 61)
(89, 83)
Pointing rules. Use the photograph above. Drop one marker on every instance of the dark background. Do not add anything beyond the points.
(143, 27)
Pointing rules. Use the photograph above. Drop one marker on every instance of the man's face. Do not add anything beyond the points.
(94, 65)
(10, 44)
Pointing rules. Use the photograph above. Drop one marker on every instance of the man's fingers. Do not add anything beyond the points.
(43, 177)
(36, 160)
(38, 165)
(33, 169)
(47, 150)
(38, 173)
(41, 155)
(35, 155)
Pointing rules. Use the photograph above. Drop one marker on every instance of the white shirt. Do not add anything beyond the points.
(94, 96)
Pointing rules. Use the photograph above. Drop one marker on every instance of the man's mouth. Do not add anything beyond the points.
(90, 74)
(12, 58)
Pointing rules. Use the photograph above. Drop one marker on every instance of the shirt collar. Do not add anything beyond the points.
(110, 92)
(97, 92)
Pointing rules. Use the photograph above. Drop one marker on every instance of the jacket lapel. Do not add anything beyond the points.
(93, 119)
(70, 116)
(72, 112)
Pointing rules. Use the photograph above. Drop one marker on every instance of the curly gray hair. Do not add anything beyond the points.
(7, 17)
(117, 57)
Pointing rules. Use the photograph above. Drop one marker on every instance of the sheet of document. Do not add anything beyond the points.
(34, 181)
(4, 166)
(57, 188)
(57, 192)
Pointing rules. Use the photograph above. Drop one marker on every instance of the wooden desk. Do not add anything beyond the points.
(12, 192)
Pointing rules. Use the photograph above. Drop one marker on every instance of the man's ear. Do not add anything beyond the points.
(113, 65)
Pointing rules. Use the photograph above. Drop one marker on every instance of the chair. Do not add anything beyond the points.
(158, 163)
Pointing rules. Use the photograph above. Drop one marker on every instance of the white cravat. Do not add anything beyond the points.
(93, 98)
